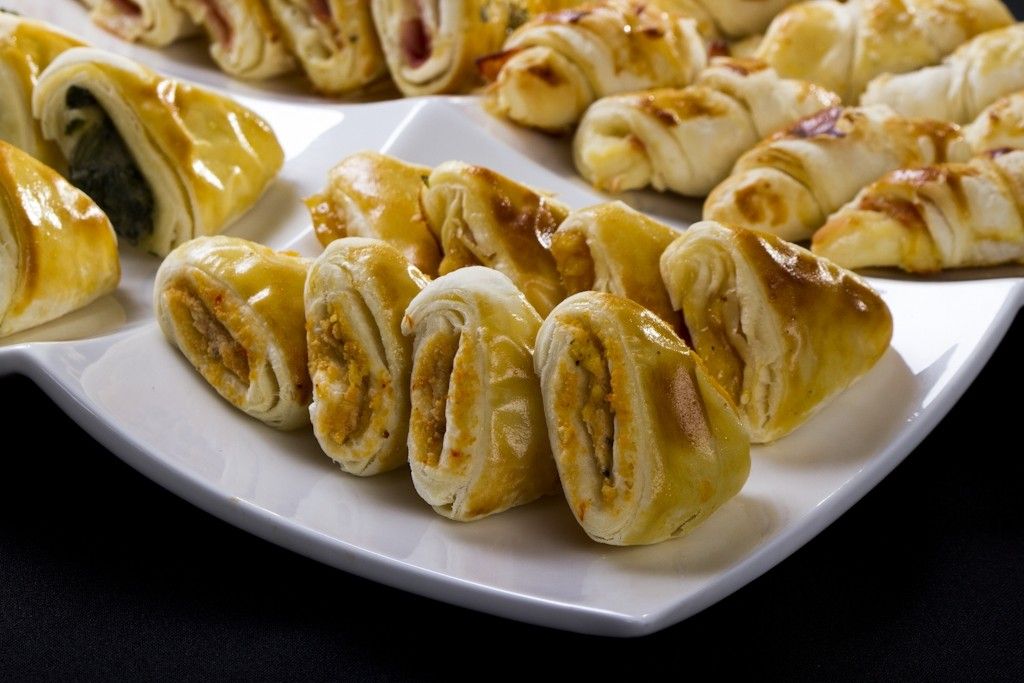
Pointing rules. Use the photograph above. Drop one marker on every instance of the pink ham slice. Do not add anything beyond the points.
(413, 38)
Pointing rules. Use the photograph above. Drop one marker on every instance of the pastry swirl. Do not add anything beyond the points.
(998, 126)
(245, 39)
(154, 22)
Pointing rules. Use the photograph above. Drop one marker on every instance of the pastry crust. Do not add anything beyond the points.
(58, 251)
(553, 67)
(789, 183)
(234, 309)
(646, 443)
(613, 248)
(842, 46)
(375, 195)
(483, 218)
(154, 22)
(245, 39)
(687, 140)
(166, 160)
(781, 329)
(477, 439)
(926, 219)
(359, 361)
(999, 126)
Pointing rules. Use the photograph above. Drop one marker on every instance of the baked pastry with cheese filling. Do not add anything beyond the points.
(789, 183)
(998, 126)
(483, 218)
(782, 330)
(477, 440)
(57, 249)
(234, 308)
(374, 195)
(167, 161)
(687, 140)
(926, 219)
(245, 39)
(154, 22)
(554, 66)
(647, 444)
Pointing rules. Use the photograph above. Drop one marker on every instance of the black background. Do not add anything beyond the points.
(103, 574)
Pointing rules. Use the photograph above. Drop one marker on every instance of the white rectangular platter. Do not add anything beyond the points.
(109, 367)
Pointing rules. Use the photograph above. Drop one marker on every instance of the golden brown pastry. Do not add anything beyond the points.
(483, 218)
(57, 249)
(789, 183)
(234, 309)
(26, 48)
(731, 18)
(553, 67)
(375, 195)
(647, 444)
(165, 160)
(477, 440)
(334, 41)
(154, 22)
(356, 294)
(926, 219)
(245, 40)
(843, 45)
(977, 74)
(613, 248)
(999, 126)
(780, 328)
(686, 140)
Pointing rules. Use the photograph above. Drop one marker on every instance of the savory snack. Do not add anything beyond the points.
(59, 252)
(483, 218)
(789, 183)
(781, 329)
(154, 22)
(999, 126)
(733, 19)
(646, 442)
(613, 248)
(687, 140)
(977, 74)
(334, 41)
(554, 66)
(165, 160)
(926, 219)
(375, 195)
(477, 439)
(359, 361)
(234, 309)
(245, 40)
(843, 45)
(26, 48)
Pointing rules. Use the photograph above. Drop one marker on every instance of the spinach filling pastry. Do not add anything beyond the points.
(167, 161)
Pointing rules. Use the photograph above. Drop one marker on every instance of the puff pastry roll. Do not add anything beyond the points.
(843, 45)
(999, 126)
(234, 308)
(482, 218)
(646, 443)
(790, 182)
(686, 140)
(553, 67)
(359, 361)
(58, 251)
(334, 41)
(26, 48)
(780, 328)
(167, 161)
(477, 439)
(375, 195)
(977, 74)
(245, 40)
(613, 248)
(154, 22)
(926, 219)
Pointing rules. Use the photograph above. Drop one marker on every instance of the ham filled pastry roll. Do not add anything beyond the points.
(245, 39)
(477, 440)
(646, 443)
(356, 294)
(58, 251)
(781, 329)
(167, 161)
(154, 22)
(234, 308)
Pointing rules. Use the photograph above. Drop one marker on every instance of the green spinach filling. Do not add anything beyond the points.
(102, 166)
